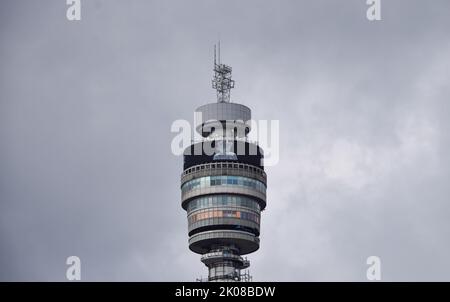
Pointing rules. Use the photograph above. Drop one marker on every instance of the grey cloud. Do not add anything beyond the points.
(86, 109)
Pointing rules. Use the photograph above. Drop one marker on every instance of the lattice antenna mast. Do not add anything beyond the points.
(222, 81)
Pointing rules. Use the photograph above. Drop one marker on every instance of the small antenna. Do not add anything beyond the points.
(222, 81)
(219, 53)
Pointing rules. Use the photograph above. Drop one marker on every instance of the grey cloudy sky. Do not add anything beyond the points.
(86, 107)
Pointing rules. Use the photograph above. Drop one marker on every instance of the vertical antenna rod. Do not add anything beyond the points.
(219, 51)
(215, 61)
(222, 81)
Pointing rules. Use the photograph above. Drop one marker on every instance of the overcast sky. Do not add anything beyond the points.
(86, 167)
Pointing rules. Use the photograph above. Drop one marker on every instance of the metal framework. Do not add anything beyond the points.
(222, 81)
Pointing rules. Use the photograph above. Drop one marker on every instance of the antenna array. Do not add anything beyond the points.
(222, 81)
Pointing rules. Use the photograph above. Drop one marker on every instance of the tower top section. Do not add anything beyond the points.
(221, 81)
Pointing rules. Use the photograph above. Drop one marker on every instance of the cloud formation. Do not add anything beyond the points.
(86, 109)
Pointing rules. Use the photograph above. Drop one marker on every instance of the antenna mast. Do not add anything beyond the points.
(222, 81)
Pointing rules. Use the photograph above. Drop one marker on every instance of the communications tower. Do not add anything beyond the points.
(223, 184)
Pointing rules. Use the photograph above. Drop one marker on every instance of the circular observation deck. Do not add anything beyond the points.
(202, 243)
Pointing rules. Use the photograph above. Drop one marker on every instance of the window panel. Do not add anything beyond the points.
(223, 180)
